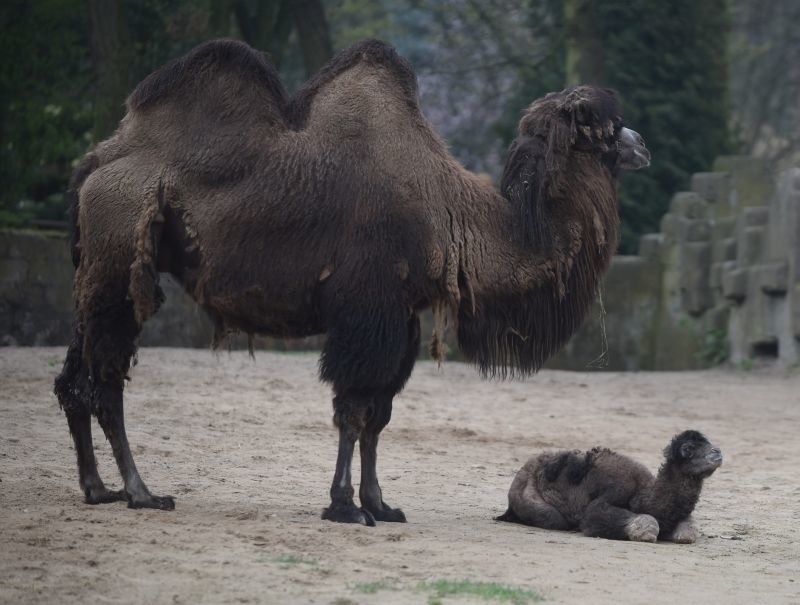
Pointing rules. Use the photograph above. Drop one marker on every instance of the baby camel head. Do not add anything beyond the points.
(693, 454)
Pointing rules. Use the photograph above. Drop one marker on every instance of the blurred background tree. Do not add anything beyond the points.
(68, 65)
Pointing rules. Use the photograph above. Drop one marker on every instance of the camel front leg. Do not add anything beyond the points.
(370, 491)
(604, 520)
(685, 532)
(342, 509)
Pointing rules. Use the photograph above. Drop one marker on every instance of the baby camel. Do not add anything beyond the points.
(604, 494)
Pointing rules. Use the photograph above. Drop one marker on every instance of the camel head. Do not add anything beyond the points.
(585, 119)
(692, 454)
(581, 124)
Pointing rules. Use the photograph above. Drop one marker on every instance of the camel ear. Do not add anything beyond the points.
(576, 105)
(687, 450)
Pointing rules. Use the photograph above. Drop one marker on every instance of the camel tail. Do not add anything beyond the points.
(87, 165)
(509, 517)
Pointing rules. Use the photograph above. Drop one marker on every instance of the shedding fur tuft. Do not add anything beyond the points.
(144, 289)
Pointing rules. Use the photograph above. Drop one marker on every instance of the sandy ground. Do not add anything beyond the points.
(248, 450)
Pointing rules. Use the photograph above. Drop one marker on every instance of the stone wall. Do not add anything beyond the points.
(720, 280)
(36, 297)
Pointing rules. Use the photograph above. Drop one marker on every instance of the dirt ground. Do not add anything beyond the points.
(248, 449)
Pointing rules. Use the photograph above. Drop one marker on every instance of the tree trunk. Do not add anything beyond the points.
(112, 57)
(585, 61)
(313, 33)
(265, 25)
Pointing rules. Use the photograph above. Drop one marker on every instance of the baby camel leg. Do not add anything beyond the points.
(603, 520)
(528, 507)
(685, 532)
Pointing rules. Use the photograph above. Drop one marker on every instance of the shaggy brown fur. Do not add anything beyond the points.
(338, 211)
(608, 495)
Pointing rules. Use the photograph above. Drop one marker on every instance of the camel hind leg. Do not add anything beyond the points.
(527, 506)
(72, 390)
(116, 290)
(112, 331)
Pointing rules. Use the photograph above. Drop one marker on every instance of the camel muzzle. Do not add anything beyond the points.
(633, 152)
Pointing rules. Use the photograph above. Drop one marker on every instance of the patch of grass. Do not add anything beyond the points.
(746, 364)
(489, 591)
(372, 587)
(289, 561)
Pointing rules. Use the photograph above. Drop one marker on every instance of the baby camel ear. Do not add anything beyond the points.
(687, 450)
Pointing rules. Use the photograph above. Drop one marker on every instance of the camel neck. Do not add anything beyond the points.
(672, 497)
(518, 303)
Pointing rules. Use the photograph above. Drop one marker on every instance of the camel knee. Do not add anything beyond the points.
(71, 384)
(642, 528)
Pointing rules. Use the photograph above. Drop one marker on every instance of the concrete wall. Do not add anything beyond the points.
(720, 280)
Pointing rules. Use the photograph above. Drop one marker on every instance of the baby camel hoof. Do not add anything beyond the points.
(685, 533)
(348, 514)
(158, 502)
(642, 528)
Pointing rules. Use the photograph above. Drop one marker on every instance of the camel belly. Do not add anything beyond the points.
(255, 311)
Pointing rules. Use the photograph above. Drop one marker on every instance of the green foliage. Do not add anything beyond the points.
(45, 114)
(715, 348)
(489, 591)
(668, 61)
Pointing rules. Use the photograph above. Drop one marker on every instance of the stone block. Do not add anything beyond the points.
(715, 275)
(669, 227)
(650, 246)
(725, 249)
(773, 278)
(722, 228)
(712, 186)
(688, 204)
(695, 230)
(750, 246)
(751, 179)
(734, 285)
(754, 217)
(716, 318)
(694, 277)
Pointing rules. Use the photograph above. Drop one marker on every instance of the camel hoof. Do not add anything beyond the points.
(642, 528)
(340, 513)
(157, 502)
(103, 496)
(685, 533)
(387, 514)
